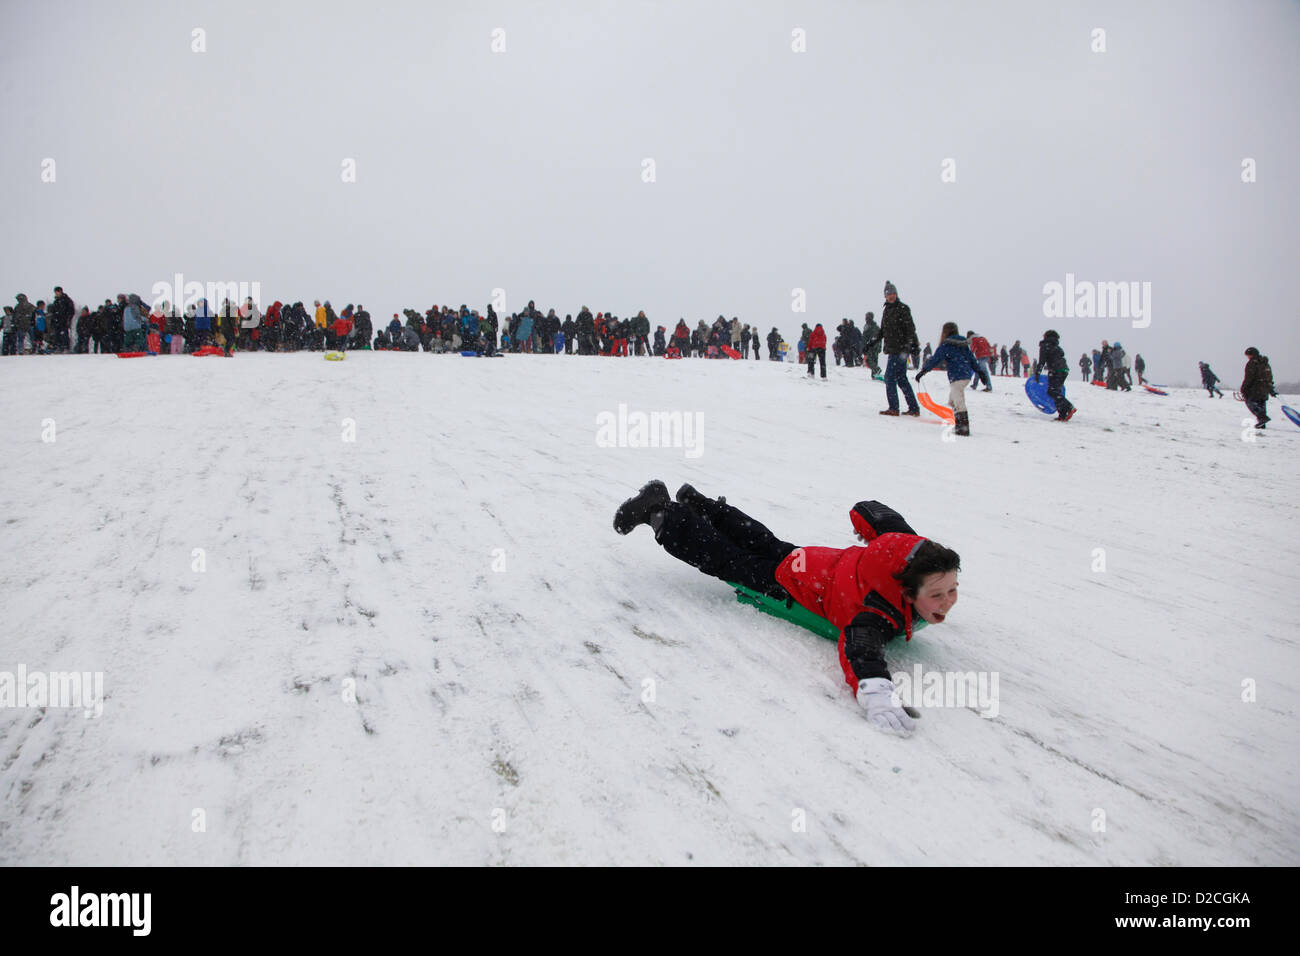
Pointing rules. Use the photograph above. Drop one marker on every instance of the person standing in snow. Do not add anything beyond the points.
(816, 349)
(852, 345)
(85, 323)
(871, 342)
(1208, 378)
(682, 338)
(62, 313)
(9, 343)
(1139, 366)
(980, 348)
(959, 361)
(364, 328)
(24, 321)
(568, 327)
(1015, 353)
(898, 334)
(871, 593)
(1085, 366)
(1006, 358)
(250, 324)
(1051, 358)
(228, 325)
(773, 345)
(1117, 357)
(1257, 385)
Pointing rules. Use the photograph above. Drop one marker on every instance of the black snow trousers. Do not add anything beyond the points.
(813, 355)
(1054, 382)
(724, 542)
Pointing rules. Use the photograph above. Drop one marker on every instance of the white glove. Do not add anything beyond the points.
(876, 695)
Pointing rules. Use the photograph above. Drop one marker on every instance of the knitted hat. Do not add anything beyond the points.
(889, 288)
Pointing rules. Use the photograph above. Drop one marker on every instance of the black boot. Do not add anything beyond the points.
(638, 509)
(963, 423)
(687, 495)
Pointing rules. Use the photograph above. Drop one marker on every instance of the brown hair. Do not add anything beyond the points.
(930, 558)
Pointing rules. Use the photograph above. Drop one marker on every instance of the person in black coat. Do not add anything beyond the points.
(1015, 352)
(570, 330)
(61, 314)
(852, 345)
(1051, 359)
(1257, 385)
(898, 335)
(1208, 378)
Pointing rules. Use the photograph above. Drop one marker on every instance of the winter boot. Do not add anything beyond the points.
(638, 509)
(914, 412)
(890, 411)
(687, 495)
(963, 423)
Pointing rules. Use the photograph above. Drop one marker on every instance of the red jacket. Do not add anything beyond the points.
(854, 588)
(818, 338)
(980, 347)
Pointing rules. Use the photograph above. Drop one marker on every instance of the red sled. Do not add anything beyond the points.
(155, 342)
(673, 352)
(133, 354)
(209, 350)
(730, 352)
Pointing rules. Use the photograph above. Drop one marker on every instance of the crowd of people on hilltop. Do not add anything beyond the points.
(126, 325)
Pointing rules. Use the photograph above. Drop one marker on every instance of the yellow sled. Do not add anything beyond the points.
(335, 356)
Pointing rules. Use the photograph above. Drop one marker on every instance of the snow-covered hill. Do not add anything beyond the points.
(427, 644)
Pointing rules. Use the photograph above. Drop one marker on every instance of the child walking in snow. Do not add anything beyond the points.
(961, 366)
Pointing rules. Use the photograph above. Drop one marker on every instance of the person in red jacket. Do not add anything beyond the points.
(816, 349)
(872, 593)
(982, 351)
(342, 329)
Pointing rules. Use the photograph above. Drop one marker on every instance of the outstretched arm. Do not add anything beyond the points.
(862, 657)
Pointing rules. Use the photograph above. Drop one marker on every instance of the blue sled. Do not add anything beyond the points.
(1036, 389)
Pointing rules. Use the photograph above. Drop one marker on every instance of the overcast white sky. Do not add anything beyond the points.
(774, 170)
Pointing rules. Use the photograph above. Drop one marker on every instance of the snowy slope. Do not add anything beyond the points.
(457, 566)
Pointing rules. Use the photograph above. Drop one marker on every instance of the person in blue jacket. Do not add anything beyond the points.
(960, 363)
(468, 329)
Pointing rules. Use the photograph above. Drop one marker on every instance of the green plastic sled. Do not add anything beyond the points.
(796, 613)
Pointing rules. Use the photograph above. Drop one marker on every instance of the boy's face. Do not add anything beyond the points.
(936, 596)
